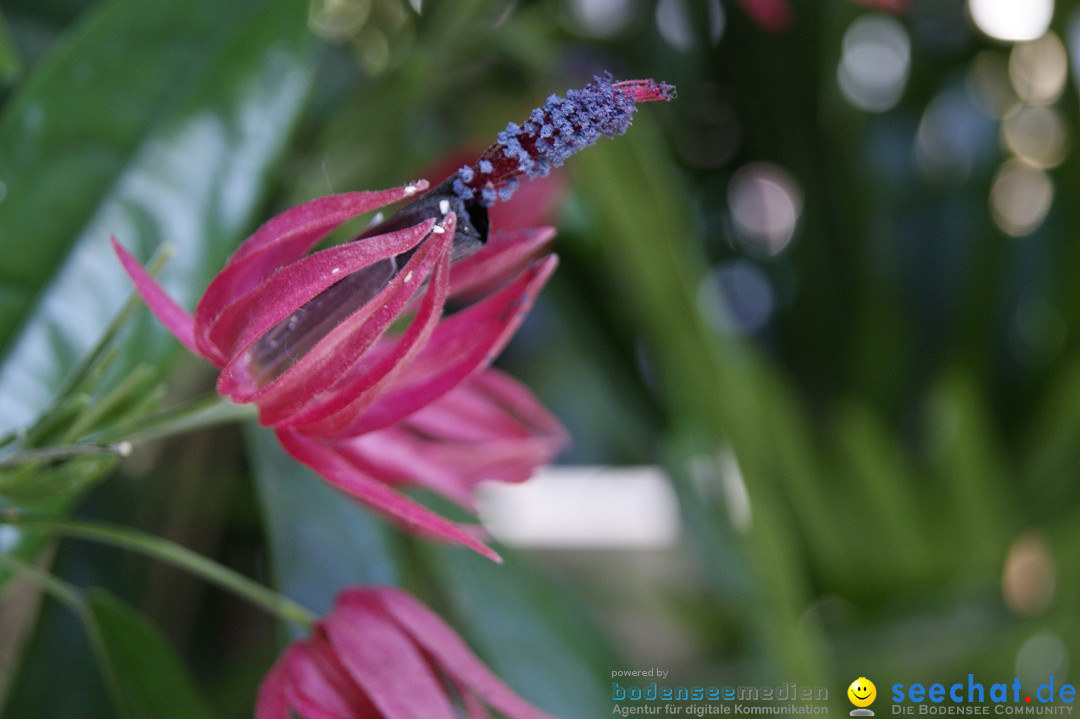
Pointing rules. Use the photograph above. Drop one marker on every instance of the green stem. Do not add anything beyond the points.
(178, 556)
(197, 414)
(61, 452)
(118, 439)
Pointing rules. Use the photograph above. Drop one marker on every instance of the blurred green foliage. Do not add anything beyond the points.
(896, 385)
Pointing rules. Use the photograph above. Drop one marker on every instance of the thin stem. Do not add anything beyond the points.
(197, 414)
(60, 452)
(178, 556)
(99, 352)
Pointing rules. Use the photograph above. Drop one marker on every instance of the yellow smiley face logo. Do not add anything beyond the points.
(862, 692)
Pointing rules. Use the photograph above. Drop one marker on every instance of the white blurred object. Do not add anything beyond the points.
(584, 507)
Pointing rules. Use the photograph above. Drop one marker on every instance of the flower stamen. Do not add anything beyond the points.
(554, 132)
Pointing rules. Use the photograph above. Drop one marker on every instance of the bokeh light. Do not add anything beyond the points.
(952, 133)
(1038, 69)
(1040, 656)
(1036, 135)
(1029, 576)
(875, 63)
(1020, 197)
(717, 21)
(737, 297)
(1012, 20)
(673, 23)
(1038, 331)
(9, 537)
(338, 20)
(601, 18)
(765, 203)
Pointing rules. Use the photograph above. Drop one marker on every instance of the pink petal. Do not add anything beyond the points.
(504, 255)
(271, 701)
(284, 239)
(489, 427)
(462, 344)
(503, 460)
(396, 456)
(259, 310)
(175, 318)
(407, 513)
(490, 404)
(321, 688)
(383, 660)
(452, 655)
(771, 15)
(366, 380)
(337, 368)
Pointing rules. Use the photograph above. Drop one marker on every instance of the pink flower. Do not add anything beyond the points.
(311, 339)
(488, 427)
(354, 376)
(378, 654)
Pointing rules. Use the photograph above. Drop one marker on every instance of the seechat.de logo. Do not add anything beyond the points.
(862, 694)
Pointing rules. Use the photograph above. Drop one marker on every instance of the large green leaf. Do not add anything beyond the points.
(717, 391)
(529, 629)
(320, 541)
(154, 681)
(154, 122)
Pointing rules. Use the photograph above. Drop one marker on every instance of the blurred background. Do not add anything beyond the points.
(815, 332)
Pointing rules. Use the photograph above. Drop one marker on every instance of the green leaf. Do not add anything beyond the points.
(155, 683)
(530, 630)
(320, 540)
(156, 123)
(714, 387)
(151, 122)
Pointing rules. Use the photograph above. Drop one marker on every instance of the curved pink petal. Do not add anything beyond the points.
(395, 456)
(284, 239)
(488, 428)
(271, 702)
(504, 255)
(320, 687)
(461, 345)
(334, 469)
(452, 655)
(490, 404)
(175, 318)
(384, 661)
(363, 383)
(260, 309)
(339, 359)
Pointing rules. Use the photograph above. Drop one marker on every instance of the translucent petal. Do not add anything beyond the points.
(461, 345)
(175, 318)
(321, 457)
